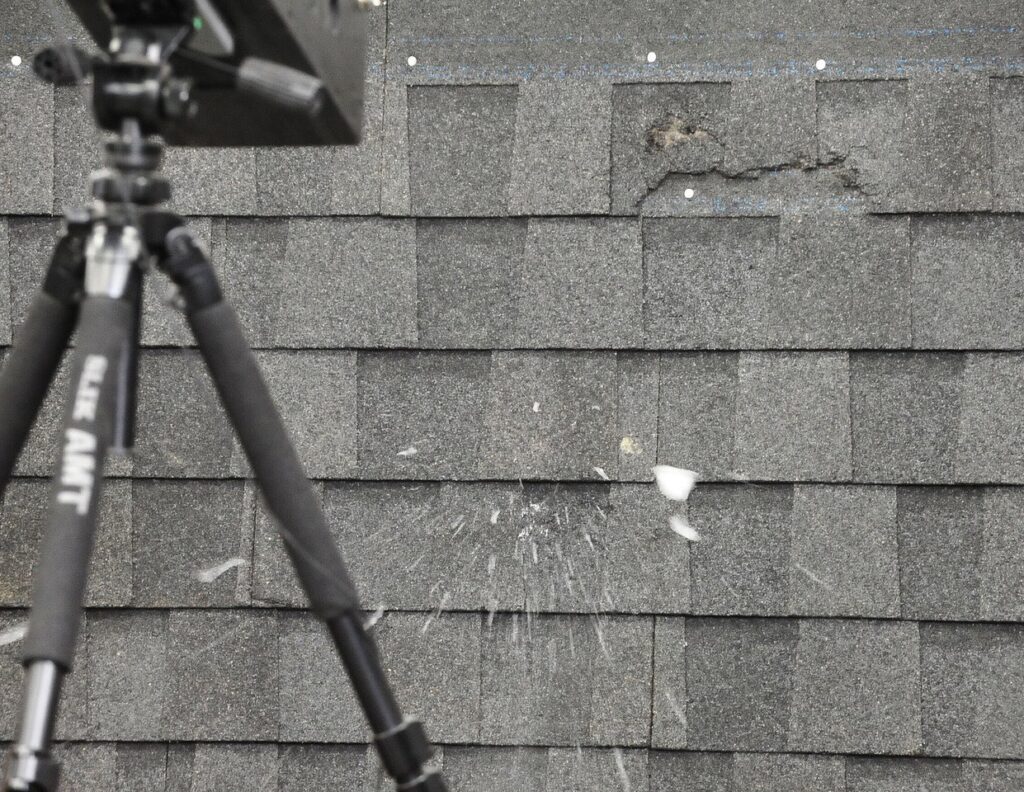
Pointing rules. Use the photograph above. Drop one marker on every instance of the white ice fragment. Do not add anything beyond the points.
(494, 516)
(214, 572)
(373, 618)
(674, 483)
(620, 766)
(14, 634)
(536, 407)
(683, 528)
(408, 452)
(630, 446)
(601, 473)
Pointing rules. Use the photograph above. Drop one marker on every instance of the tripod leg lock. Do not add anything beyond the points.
(187, 265)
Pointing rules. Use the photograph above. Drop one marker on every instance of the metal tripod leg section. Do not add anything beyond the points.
(402, 743)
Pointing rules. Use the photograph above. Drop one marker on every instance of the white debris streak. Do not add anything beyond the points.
(494, 516)
(14, 634)
(620, 766)
(814, 577)
(373, 618)
(536, 407)
(683, 528)
(676, 709)
(408, 452)
(675, 483)
(214, 572)
(601, 473)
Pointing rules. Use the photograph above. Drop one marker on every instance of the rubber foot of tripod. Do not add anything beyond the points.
(30, 772)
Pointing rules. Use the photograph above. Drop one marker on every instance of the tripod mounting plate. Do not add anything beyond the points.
(323, 40)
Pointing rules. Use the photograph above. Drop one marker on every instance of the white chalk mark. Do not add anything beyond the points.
(620, 766)
(214, 572)
(14, 634)
(494, 516)
(676, 709)
(675, 483)
(408, 452)
(814, 577)
(601, 473)
(373, 618)
(683, 528)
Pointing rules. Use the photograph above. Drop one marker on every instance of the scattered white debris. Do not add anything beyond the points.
(674, 483)
(16, 60)
(601, 473)
(821, 64)
(14, 634)
(412, 60)
(410, 451)
(688, 192)
(214, 572)
(814, 577)
(683, 528)
(676, 709)
(536, 407)
(652, 57)
(630, 446)
(373, 618)
(494, 516)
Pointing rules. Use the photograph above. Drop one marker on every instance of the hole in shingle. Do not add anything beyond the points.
(671, 131)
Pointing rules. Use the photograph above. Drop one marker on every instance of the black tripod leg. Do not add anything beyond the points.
(402, 743)
(32, 364)
(60, 576)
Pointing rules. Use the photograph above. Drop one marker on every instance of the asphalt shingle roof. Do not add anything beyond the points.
(554, 263)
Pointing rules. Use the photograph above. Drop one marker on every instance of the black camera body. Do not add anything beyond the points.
(233, 42)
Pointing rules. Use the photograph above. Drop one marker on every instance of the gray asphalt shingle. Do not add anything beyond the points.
(467, 278)
(222, 676)
(580, 284)
(77, 147)
(782, 773)
(422, 414)
(461, 141)
(967, 281)
(972, 686)
(211, 181)
(552, 415)
(179, 562)
(905, 416)
(639, 386)
(901, 775)
(305, 767)
(560, 162)
(771, 124)
(793, 416)
(739, 675)
(990, 423)
(1007, 96)
(844, 552)
(231, 768)
(856, 688)
(26, 143)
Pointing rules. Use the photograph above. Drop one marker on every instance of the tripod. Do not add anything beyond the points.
(94, 283)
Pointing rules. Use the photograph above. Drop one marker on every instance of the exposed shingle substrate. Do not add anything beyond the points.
(551, 262)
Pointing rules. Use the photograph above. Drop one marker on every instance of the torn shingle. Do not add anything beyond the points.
(771, 123)
(421, 414)
(580, 284)
(467, 281)
(696, 418)
(968, 279)
(222, 676)
(739, 673)
(972, 689)
(210, 527)
(560, 163)
(573, 428)
(905, 416)
(460, 149)
(128, 661)
(793, 416)
(663, 129)
(741, 564)
(844, 552)
(856, 688)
